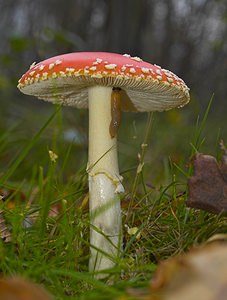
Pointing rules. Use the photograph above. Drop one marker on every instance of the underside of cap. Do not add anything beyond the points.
(65, 79)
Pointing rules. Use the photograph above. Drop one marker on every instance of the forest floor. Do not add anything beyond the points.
(44, 200)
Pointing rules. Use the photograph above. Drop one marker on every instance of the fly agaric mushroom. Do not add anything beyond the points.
(105, 83)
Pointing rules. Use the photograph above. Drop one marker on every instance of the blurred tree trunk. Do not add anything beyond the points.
(124, 26)
(168, 34)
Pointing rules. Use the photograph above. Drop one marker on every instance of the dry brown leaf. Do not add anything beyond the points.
(200, 274)
(5, 233)
(10, 195)
(19, 289)
(208, 186)
(218, 237)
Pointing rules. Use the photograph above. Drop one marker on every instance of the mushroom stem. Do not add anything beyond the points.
(104, 183)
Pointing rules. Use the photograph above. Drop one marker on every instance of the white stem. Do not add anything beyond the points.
(104, 183)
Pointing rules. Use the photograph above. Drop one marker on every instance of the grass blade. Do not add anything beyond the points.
(18, 160)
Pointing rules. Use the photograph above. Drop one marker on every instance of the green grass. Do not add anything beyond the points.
(54, 250)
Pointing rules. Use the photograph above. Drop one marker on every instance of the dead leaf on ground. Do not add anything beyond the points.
(5, 233)
(200, 274)
(19, 289)
(208, 186)
(10, 196)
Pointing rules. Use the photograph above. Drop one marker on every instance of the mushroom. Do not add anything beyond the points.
(106, 84)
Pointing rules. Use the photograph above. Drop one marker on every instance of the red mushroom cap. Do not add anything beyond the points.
(64, 79)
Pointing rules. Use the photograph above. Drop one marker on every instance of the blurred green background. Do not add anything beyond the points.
(189, 37)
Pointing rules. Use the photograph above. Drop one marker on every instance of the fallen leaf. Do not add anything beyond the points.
(219, 237)
(208, 186)
(19, 289)
(5, 233)
(10, 196)
(200, 274)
